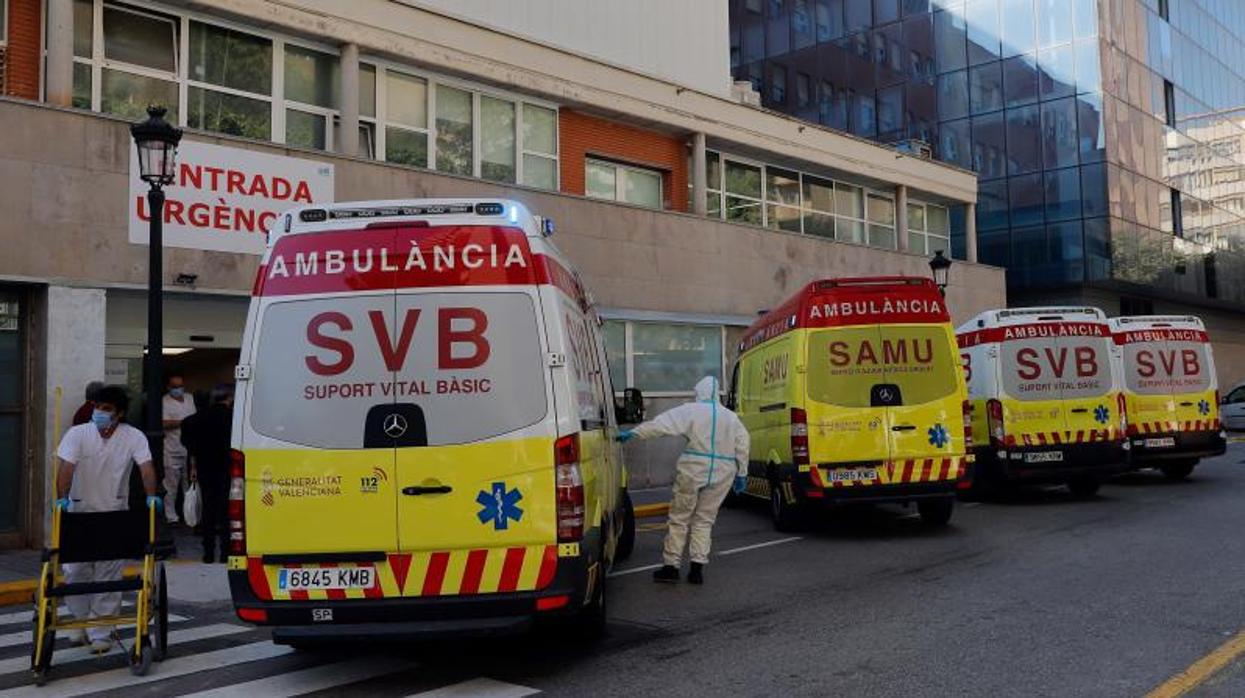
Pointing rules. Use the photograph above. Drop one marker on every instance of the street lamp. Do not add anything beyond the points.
(157, 143)
(941, 267)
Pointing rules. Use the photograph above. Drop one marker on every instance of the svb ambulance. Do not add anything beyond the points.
(1047, 399)
(1172, 392)
(423, 437)
(852, 393)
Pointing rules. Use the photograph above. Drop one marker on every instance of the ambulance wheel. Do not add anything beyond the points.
(160, 615)
(1178, 471)
(787, 517)
(935, 512)
(589, 622)
(626, 537)
(1084, 488)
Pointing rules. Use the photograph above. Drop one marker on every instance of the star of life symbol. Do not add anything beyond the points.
(938, 436)
(1203, 408)
(499, 506)
(394, 426)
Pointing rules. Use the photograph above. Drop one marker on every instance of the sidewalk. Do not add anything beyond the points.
(189, 579)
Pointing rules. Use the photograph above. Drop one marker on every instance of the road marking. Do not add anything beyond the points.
(316, 678)
(177, 666)
(83, 654)
(479, 688)
(651, 527)
(633, 570)
(24, 637)
(1202, 669)
(766, 544)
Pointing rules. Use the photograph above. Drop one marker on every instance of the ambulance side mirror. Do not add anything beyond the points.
(630, 410)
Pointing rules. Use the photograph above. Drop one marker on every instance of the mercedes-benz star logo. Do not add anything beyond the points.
(884, 394)
(394, 426)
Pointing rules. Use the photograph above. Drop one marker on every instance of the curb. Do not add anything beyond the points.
(19, 592)
(645, 511)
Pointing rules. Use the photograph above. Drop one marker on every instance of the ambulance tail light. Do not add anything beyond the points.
(967, 409)
(237, 503)
(569, 483)
(994, 420)
(799, 436)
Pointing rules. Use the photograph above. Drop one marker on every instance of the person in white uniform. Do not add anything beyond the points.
(177, 407)
(93, 474)
(715, 459)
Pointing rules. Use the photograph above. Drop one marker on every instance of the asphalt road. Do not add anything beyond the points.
(1036, 594)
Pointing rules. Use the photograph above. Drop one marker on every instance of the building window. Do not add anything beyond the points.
(929, 229)
(230, 82)
(1131, 305)
(4, 22)
(881, 217)
(1177, 214)
(1169, 103)
(743, 193)
(633, 185)
(803, 88)
(1164, 10)
(664, 359)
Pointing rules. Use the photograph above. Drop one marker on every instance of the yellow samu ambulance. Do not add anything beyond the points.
(852, 393)
(1172, 392)
(423, 439)
(1046, 394)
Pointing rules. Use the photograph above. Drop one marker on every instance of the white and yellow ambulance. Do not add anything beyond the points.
(852, 393)
(1172, 392)
(1047, 399)
(423, 437)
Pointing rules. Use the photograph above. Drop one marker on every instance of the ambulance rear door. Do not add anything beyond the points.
(926, 419)
(1087, 382)
(475, 501)
(320, 469)
(848, 390)
(1169, 374)
(1033, 365)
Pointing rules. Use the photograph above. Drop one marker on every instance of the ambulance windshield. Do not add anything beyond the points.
(470, 361)
(845, 363)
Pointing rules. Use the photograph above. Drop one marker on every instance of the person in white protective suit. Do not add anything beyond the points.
(714, 460)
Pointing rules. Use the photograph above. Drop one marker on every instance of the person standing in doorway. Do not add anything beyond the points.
(83, 415)
(206, 436)
(177, 407)
(94, 461)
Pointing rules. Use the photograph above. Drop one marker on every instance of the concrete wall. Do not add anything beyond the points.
(63, 190)
(686, 42)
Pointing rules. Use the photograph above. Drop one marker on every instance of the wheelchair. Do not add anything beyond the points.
(96, 537)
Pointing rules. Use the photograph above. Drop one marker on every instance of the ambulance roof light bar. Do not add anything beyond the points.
(1151, 319)
(1027, 312)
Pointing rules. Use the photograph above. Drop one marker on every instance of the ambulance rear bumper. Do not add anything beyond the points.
(469, 615)
(1051, 463)
(1151, 448)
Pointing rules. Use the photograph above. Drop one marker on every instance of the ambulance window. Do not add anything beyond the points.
(470, 361)
(317, 370)
(845, 364)
(1056, 368)
(1163, 368)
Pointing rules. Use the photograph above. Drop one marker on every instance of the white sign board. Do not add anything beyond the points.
(226, 199)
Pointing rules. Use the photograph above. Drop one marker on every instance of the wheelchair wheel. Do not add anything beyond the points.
(41, 663)
(160, 615)
(140, 664)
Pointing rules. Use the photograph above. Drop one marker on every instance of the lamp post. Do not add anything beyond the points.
(157, 143)
(941, 267)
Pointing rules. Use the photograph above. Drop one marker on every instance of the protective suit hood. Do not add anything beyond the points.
(707, 389)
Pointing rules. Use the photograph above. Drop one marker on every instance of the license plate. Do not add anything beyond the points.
(853, 474)
(1164, 442)
(1044, 457)
(304, 579)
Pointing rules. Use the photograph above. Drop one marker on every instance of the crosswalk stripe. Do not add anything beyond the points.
(23, 637)
(81, 654)
(318, 678)
(478, 688)
(25, 616)
(172, 668)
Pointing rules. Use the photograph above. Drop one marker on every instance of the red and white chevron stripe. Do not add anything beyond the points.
(1060, 438)
(896, 472)
(1173, 425)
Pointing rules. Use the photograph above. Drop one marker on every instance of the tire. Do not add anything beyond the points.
(936, 513)
(160, 635)
(626, 537)
(1084, 488)
(1178, 471)
(590, 621)
(140, 665)
(787, 517)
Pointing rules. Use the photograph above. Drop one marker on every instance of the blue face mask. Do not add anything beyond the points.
(177, 392)
(101, 419)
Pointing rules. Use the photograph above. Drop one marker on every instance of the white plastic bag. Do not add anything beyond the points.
(192, 505)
